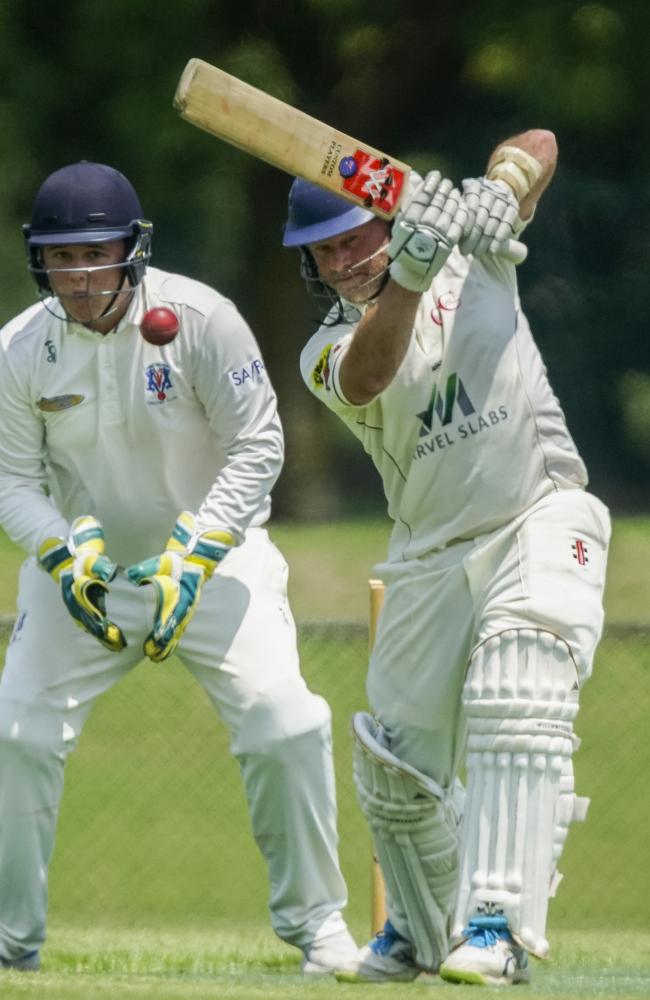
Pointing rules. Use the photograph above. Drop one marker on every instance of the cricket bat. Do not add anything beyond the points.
(287, 138)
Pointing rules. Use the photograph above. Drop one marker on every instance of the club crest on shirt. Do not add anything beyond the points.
(158, 383)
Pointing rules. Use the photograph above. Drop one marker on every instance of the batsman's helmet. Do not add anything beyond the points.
(87, 203)
(316, 214)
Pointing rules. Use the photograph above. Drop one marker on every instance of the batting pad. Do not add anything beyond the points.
(413, 821)
(570, 807)
(520, 699)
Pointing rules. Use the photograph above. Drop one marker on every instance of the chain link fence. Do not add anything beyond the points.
(154, 830)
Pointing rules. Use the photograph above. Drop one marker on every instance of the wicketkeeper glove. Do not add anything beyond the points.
(425, 232)
(492, 212)
(177, 575)
(84, 572)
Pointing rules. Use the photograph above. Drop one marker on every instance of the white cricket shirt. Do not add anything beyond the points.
(132, 433)
(469, 434)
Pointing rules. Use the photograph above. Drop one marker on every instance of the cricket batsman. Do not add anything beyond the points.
(495, 568)
(137, 477)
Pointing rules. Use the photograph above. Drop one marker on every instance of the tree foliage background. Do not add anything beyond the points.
(435, 83)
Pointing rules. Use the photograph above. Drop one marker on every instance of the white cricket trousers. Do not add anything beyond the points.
(545, 570)
(241, 647)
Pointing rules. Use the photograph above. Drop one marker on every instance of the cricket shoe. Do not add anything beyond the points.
(488, 955)
(29, 962)
(330, 952)
(387, 958)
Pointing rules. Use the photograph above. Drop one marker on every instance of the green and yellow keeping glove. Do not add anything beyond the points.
(178, 575)
(83, 572)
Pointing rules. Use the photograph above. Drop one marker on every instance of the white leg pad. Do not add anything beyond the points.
(570, 807)
(520, 699)
(414, 823)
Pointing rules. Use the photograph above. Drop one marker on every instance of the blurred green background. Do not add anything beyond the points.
(437, 84)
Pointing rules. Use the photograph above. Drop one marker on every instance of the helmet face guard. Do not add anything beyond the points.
(316, 215)
(82, 204)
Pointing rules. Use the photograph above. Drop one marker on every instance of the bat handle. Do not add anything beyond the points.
(515, 252)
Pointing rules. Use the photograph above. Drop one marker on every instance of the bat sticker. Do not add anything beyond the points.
(375, 182)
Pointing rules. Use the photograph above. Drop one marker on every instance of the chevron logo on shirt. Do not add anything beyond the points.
(443, 402)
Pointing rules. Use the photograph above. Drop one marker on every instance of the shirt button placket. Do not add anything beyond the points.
(110, 400)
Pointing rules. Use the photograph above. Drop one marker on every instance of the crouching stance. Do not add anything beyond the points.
(116, 452)
(495, 568)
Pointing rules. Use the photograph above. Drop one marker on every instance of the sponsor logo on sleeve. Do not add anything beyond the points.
(321, 372)
(580, 552)
(253, 372)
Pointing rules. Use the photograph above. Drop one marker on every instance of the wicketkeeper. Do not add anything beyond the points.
(495, 568)
(115, 452)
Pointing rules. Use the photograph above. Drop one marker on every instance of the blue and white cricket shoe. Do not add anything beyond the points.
(387, 958)
(487, 955)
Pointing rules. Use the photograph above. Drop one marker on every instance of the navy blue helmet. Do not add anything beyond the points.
(88, 203)
(316, 214)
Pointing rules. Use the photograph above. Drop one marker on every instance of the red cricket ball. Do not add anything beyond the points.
(159, 326)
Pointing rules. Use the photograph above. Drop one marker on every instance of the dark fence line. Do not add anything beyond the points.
(357, 628)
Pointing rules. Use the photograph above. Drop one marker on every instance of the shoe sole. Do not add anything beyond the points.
(314, 969)
(478, 979)
(358, 977)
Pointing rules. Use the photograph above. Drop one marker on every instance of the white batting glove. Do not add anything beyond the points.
(492, 212)
(425, 232)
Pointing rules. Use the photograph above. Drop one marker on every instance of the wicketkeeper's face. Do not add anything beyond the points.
(86, 277)
(354, 263)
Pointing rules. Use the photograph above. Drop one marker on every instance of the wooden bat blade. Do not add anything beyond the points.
(279, 134)
(289, 139)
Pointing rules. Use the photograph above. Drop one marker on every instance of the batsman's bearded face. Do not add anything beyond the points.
(355, 262)
(86, 277)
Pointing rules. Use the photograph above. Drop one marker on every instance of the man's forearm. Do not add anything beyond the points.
(535, 173)
(379, 344)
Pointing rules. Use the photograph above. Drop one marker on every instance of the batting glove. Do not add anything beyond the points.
(492, 213)
(178, 575)
(83, 572)
(425, 232)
